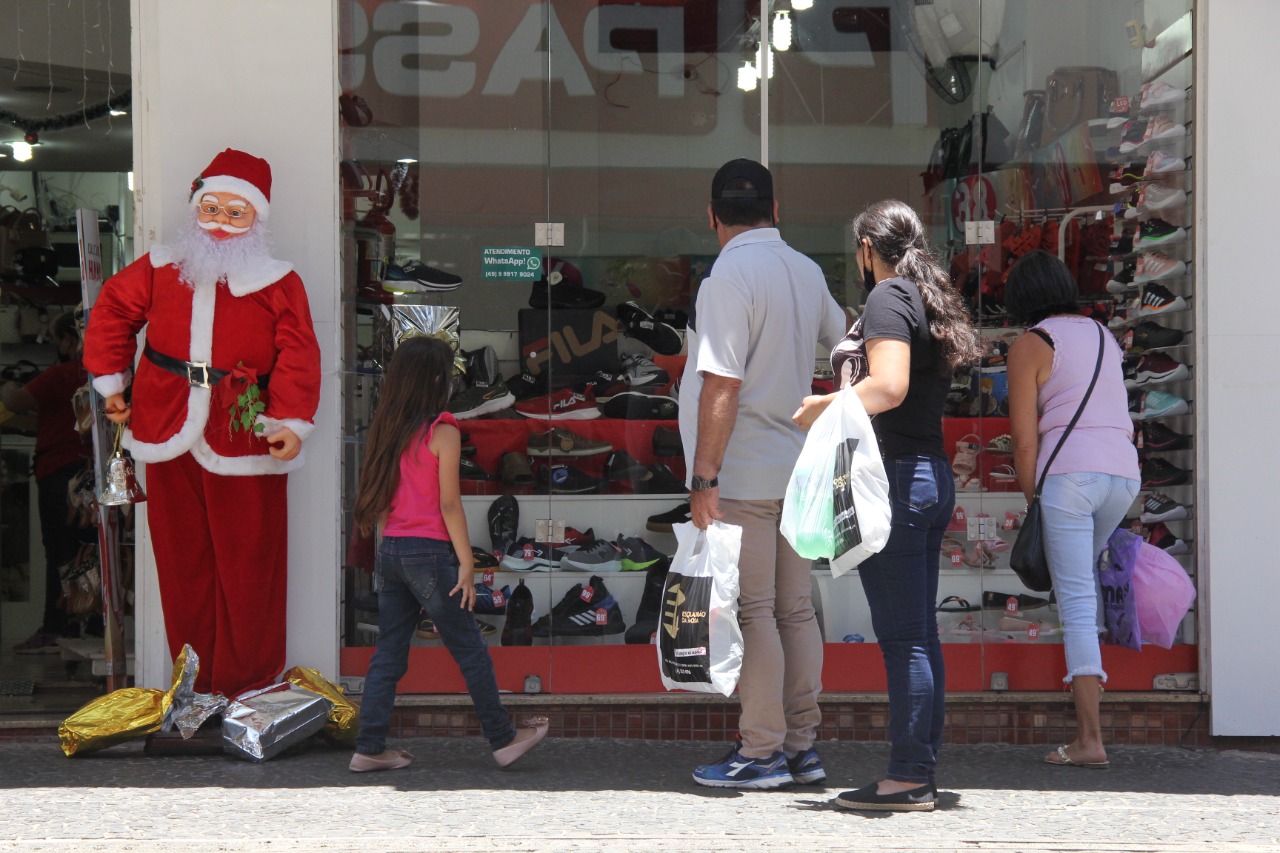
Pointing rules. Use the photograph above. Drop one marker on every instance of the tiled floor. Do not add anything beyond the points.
(56, 687)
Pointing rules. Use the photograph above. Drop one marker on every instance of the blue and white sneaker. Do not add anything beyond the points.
(735, 770)
(806, 767)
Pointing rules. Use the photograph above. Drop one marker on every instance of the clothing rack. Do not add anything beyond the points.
(1067, 214)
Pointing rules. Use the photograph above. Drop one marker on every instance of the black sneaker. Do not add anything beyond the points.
(1154, 436)
(1158, 473)
(1158, 507)
(469, 469)
(921, 799)
(1158, 299)
(482, 367)
(526, 385)
(564, 480)
(516, 631)
(1122, 282)
(634, 406)
(1151, 335)
(666, 442)
(992, 600)
(649, 612)
(1157, 232)
(608, 384)
(585, 611)
(504, 522)
(661, 481)
(622, 467)
(474, 402)
(640, 325)
(661, 522)
(483, 559)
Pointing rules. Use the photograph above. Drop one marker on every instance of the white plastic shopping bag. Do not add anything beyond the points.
(837, 502)
(699, 641)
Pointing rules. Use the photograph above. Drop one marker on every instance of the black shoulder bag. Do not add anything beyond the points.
(1027, 559)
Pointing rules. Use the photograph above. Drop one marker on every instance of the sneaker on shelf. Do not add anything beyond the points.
(1134, 135)
(637, 554)
(661, 481)
(504, 520)
(514, 469)
(622, 467)
(1155, 437)
(477, 401)
(585, 611)
(677, 318)
(426, 279)
(39, 643)
(563, 480)
(469, 469)
(1145, 405)
(483, 559)
(1155, 266)
(482, 367)
(600, 556)
(490, 601)
(1158, 473)
(526, 555)
(562, 287)
(1160, 197)
(1156, 232)
(1163, 163)
(516, 631)
(1160, 507)
(639, 324)
(806, 767)
(645, 627)
(1164, 539)
(661, 522)
(526, 386)
(736, 770)
(373, 292)
(1122, 282)
(642, 371)
(634, 406)
(1162, 128)
(606, 385)
(1155, 368)
(1124, 176)
(562, 442)
(575, 403)
(666, 442)
(1161, 94)
(1158, 299)
(1149, 335)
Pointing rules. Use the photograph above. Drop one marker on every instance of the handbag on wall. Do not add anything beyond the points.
(1028, 559)
(1075, 94)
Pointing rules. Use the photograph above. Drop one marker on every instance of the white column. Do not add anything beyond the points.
(1239, 402)
(261, 76)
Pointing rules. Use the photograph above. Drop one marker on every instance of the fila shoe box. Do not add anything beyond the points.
(573, 343)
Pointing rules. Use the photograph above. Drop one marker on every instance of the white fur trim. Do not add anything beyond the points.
(272, 271)
(239, 186)
(161, 255)
(202, 304)
(300, 428)
(112, 383)
(181, 441)
(243, 466)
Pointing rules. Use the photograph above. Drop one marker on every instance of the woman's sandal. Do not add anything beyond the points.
(1064, 760)
(1001, 444)
(980, 559)
(965, 462)
(529, 733)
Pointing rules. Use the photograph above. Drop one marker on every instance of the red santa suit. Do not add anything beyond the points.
(217, 499)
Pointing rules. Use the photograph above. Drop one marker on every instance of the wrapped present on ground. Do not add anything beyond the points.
(344, 719)
(264, 723)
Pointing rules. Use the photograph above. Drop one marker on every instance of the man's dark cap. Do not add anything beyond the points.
(747, 170)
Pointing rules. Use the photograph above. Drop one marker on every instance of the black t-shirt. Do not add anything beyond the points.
(894, 309)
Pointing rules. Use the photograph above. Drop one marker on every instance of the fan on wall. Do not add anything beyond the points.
(945, 36)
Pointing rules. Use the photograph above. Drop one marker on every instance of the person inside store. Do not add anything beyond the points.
(759, 317)
(1094, 477)
(409, 493)
(914, 332)
(60, 454)
(222, 398)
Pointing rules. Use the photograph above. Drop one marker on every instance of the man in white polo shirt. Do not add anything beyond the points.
(756, 326)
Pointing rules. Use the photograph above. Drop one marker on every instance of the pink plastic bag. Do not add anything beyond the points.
(1164, 593)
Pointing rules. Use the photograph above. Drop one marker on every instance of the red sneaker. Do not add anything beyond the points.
(575, 403)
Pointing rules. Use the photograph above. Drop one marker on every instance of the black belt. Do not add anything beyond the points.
(198, 373)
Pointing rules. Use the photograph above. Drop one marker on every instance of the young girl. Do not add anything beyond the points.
(409, 485)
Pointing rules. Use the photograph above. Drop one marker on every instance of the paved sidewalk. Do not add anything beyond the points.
(601, 795)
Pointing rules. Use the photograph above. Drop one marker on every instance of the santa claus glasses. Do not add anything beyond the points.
(233, 211)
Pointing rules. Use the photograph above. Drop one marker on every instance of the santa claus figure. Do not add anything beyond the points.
(223, 396)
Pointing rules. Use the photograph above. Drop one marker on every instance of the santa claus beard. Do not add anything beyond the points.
(203, 259)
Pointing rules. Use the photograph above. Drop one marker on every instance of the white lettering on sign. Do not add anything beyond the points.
(433, 70)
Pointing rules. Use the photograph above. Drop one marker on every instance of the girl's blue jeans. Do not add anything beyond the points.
(413, 575)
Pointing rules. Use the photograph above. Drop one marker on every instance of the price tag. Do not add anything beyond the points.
(499, 599)
(956, 557)
(497, 554)
(529, 552)
(587, 593)
(1010, 520)
(486, 577)
(1033, 631)
(653, 638)
(1011, 604)
(602, 616)
(958, 518)
(1127, 341)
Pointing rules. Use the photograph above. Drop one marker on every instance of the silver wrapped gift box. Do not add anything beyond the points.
(266, 722)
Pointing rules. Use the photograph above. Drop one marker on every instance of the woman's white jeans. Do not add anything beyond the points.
(1080, 512)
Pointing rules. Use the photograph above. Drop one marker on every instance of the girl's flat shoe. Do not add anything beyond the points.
(528, 735)
(390, 760)
(1061, 759)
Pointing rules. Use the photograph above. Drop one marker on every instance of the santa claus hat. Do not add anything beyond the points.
(236, 172)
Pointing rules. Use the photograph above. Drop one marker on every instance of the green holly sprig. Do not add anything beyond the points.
(248, 405)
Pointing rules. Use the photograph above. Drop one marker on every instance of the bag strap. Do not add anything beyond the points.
(1097, 368)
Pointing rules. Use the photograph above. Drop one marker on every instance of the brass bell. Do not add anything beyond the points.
(122, 482)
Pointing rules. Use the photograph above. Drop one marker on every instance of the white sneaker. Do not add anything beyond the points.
(1161, 94)
(1154, 266)
(1157, 197)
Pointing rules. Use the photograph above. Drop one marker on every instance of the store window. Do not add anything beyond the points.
(530, 182)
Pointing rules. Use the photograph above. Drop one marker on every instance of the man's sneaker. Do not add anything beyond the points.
(1123, 177)
(516, 630)
(1122, 282)
(645, 626)
(422, 277)
(622, 467)
(642, 371)
(637, 554)
(605, 385)
(639, 324)
(735, 770)
(1157, 437)
(490, 601)
(1145, 405)
(1157, 507)
(1161, 127)
(1156, 232)
(666, 442)
(1161, 94)
(504, 521)
(514, 469)
(575, 403)
(1157, 299)
(483, 559)
(1135, 131)
(482, 367)
(661, 522)
(1165, 539)
(661, 481)
(1163, 163)
(1160, 197)
(563, 480)
(1155, 368)
(806, 767)
(561, 442)
(1160, 473)
(1149, 335)
(922, 799)
(529, 556)
(474, 402)
(526, 386)
(585, 611)
(469, 469)
(600, 556)
(635, 406)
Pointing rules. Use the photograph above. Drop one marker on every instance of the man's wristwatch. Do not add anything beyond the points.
(700, 484)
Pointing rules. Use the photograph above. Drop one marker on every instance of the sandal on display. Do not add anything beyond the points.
(1003, 474)
(981, 558)
(529, 733)
(956, 604)
(1059, 758)
(1001, 444)
(995, 546)
(965, 462)
(952, 547)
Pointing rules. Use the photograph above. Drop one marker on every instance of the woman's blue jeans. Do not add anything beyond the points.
(901, 584)
(413, 575)
(1080, 512)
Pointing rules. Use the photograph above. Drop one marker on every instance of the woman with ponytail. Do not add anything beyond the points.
(899, 356)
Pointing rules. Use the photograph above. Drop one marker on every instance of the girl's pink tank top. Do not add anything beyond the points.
(415, 507)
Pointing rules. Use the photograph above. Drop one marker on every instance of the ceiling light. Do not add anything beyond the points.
(782, 31)
(407, 160)
(801, 5)
(129, 181)
(21, 150)
(747, 77)
(118, 112)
